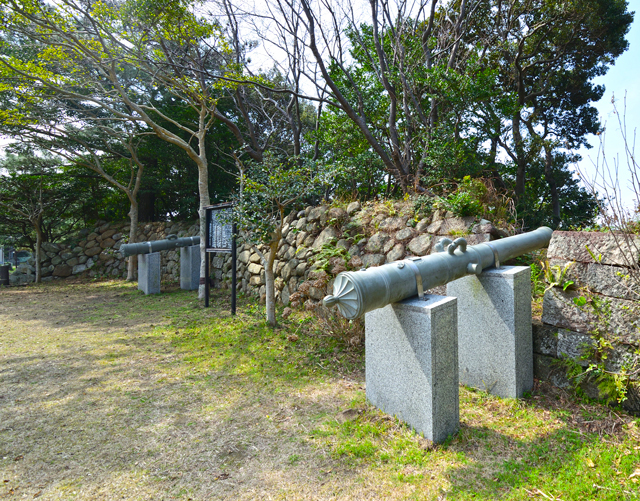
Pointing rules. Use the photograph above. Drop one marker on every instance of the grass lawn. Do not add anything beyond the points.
(109, 394)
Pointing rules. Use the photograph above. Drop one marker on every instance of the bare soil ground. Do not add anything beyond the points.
(109, 394)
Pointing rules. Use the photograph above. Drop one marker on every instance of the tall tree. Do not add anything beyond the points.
(165, 44)
(547, 54)
(34, 193)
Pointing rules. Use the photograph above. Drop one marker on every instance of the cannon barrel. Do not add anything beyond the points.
(171, 242)
(357, 292)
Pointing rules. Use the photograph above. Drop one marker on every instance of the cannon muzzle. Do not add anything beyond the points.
(357, 292)
(171, 242)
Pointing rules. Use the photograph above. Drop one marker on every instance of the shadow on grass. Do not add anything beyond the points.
(562, 464)
(204, 404)
(179, 405)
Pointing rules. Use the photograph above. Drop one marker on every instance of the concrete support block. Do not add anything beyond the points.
(190, 267)
(149, 273)
(411, 356)
(494, 330)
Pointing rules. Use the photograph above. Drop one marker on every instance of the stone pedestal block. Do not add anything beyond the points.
(149, 273)
(494, 330)
(411, 351)
(190, 267)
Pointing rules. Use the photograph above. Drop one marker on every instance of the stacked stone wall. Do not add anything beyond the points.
(601, 267)
(94, 252)
(369, 234)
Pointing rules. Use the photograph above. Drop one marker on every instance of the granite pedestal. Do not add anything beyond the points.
(495, 348)
(149, 273)
(411, 356)
(190, 267)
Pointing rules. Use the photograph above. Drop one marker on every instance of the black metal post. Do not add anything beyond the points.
(207, 286)
(234, 279)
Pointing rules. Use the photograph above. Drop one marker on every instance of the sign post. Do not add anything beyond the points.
(220, 238)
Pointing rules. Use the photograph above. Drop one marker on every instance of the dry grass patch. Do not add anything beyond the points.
(109, 394)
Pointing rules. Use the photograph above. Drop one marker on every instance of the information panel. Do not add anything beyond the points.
(220, 229)
(220, 237)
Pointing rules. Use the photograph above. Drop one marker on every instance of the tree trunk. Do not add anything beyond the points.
(553, 187)
(38, 260)
(270, 288)
(203, 188)
(520, 155)
(133, 236)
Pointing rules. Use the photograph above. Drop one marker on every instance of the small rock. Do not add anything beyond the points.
(299, 239)
(423, 225)
(62, 270)
(316, 213)
(93, 251)
(396, 253)
(73, 261)
(109, 233)
(342, 244)
(355, 263)
(353, 207)
(244, 256)
(328, 234)
(393, 223)
(373, 260)
(405, 234)
(388, 246)
(376, 242)
(78, 269)
(421, 244)
(337, 213)
(253, 268)
(300, 269)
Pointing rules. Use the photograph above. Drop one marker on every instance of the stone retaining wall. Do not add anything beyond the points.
(94, 252)
(357, 235)
(611, 313)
